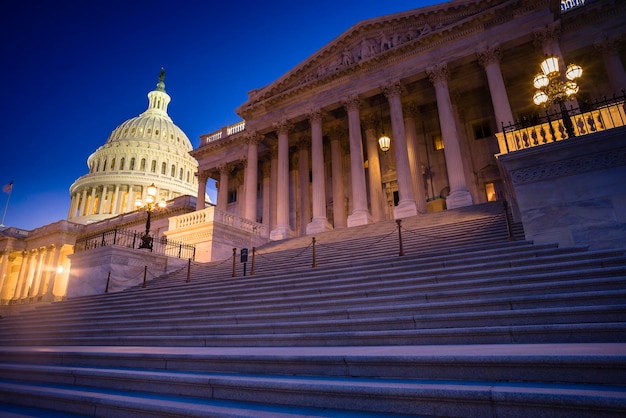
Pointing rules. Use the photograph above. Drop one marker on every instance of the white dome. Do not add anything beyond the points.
(147, 149)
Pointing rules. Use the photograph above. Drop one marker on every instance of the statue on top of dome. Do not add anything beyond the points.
(161, 83)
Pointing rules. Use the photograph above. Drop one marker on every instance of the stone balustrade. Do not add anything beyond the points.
(213, 214)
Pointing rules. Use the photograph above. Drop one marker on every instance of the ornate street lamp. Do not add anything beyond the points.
(556, 88)
(149, 204)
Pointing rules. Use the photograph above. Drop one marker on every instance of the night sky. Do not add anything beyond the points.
(72, 71)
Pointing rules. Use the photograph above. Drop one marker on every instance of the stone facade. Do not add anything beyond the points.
(441, 81)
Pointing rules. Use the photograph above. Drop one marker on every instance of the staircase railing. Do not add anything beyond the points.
(132, 239)
(540, 129)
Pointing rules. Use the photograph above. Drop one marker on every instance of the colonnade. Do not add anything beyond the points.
(33, 275)
(110, 199)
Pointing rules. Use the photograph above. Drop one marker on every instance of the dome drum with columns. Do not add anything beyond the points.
(143, 150)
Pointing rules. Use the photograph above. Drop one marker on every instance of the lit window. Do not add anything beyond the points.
(490, 191)
(437, 142)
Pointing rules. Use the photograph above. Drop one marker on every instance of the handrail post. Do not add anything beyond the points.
(234, 262)
(145, 273)
(508, 223)
(106, 289)
(252, 267)
(399, 222)
(314, 255)
(189, 270)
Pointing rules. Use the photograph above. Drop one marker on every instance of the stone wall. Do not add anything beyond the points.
(571, 192)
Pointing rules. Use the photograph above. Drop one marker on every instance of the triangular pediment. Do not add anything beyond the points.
(370, 41)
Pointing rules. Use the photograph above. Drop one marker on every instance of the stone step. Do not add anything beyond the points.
(398, 270)
(450, 290)
(355, 385)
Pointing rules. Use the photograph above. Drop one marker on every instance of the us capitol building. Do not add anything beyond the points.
(420, 111)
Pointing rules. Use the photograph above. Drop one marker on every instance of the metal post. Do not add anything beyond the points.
(399, 222)
(314, 255)
(508, 224)
(189, 271)
(234, 262)
(252, 266)
(145, 273)
(106, 289)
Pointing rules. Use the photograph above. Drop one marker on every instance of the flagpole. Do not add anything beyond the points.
(6, 206)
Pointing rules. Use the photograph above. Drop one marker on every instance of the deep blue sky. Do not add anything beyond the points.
(74, 70)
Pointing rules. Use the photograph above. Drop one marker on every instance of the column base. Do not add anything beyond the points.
(281, 232)
(358, 218)
(405, 209)
(458, 199)
(318, 225)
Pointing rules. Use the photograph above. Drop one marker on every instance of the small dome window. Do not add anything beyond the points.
(163, 168)
(132, 164)
(122, 163)
(156, 132)
(153, 166)
(142, 165)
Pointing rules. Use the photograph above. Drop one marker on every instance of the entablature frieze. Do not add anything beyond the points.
(383, 41)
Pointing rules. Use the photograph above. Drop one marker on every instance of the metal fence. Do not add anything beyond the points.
(132, 239)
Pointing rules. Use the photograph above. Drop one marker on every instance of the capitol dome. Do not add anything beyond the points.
(144, 150)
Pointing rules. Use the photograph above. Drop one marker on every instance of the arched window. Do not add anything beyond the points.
(132, 164)
(153, 167)
(180, 176)
(187, 176)
(104, 165)
(113, 164)
(142, 165)
(98, 166)
(163, 168)
(122, 163)
(173, 171)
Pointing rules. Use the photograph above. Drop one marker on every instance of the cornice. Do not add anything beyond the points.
(449, 22)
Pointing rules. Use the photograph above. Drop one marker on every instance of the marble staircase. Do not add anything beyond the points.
(469, 321)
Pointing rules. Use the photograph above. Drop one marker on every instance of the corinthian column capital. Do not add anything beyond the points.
(283, 127)
(352, 103)
(489, 55)
(438, 73)
(315, 115)
(393, 89)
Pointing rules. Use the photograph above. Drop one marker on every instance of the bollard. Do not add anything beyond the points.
(234, 262)
(145, 273)
(252, 266)
(189, 271)
(106, 289)
(399, 222)
(314, 255)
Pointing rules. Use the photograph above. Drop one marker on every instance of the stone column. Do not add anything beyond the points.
(83, 203)
(273, 184)
(377, 197)
(489, 59)
(283, 229)
(302, 179)
(252, 176)
(222, 191)
(92, 201)
(339, 207)
(203, 176)
(115, 205)
(459, 194)
(72, 210)
(266, 180)
(130, 198)
(319, 223)
(22, 276)
(103, 199)
(406, 204)
(3, 270)
(39, 272)
(48, 287)
(360, 214)
(612, 63)
(415, 161)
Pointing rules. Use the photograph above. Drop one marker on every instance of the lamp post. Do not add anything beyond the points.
(149, 204)
(555, 88)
